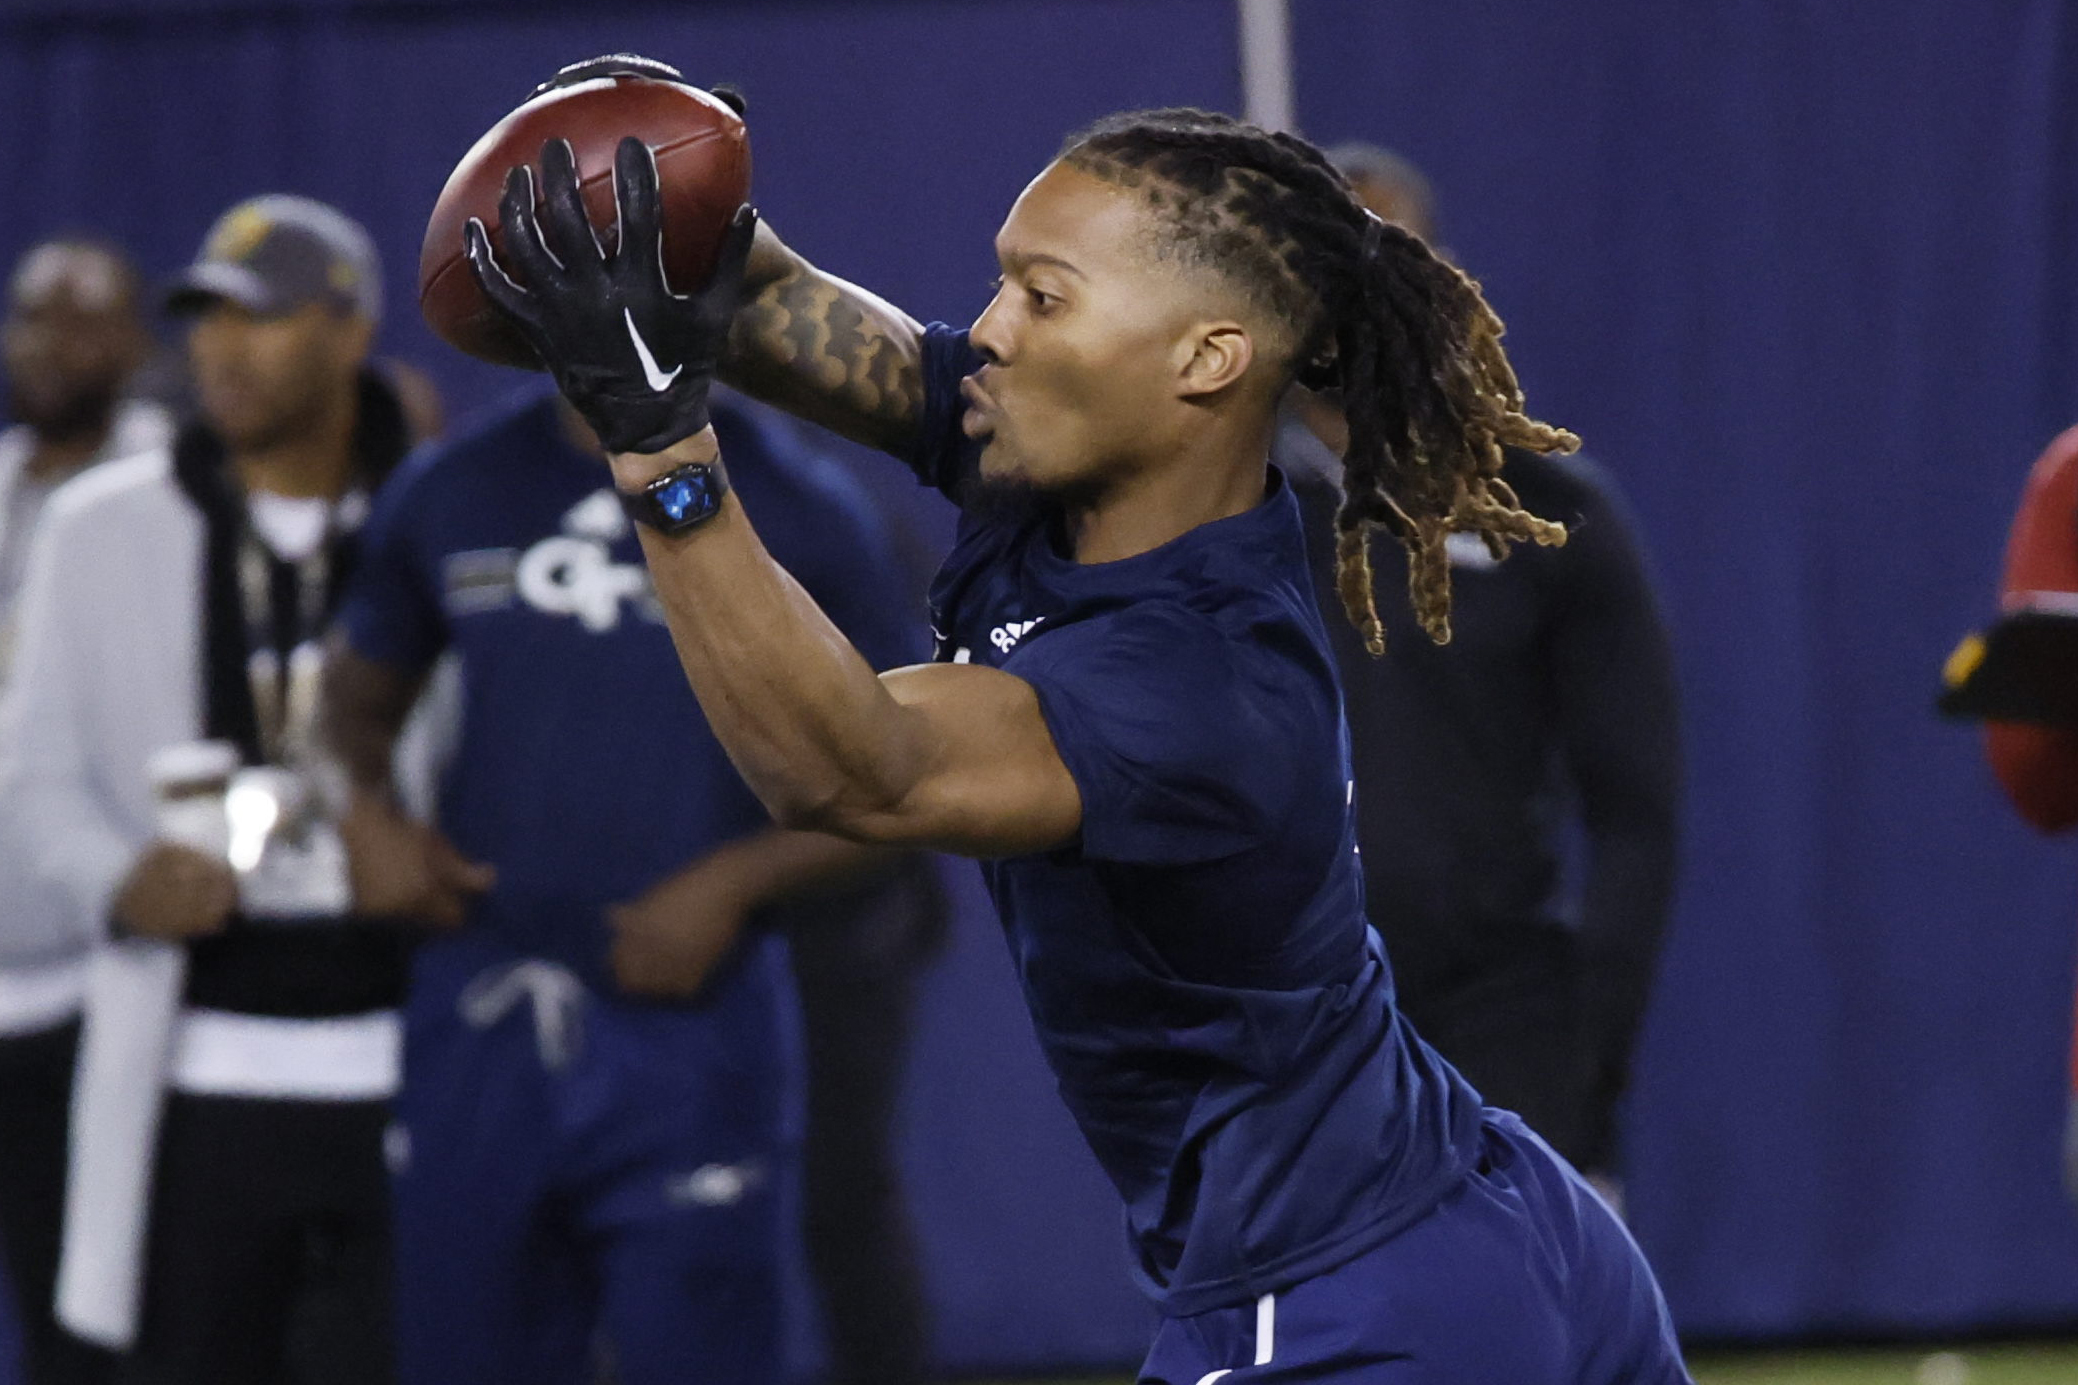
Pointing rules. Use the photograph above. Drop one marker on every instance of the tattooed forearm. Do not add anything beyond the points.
(831, 353)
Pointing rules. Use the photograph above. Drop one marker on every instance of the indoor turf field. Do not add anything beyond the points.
(2028, 1364)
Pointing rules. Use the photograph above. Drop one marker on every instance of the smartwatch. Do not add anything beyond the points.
(683, 498)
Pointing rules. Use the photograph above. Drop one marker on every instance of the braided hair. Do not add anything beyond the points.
(1406, 338)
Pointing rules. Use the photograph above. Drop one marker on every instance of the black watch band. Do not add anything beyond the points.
(683, 498)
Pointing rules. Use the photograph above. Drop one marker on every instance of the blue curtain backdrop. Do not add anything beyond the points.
(1801, 274)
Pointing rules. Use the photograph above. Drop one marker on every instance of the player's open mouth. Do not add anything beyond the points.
(979, 419)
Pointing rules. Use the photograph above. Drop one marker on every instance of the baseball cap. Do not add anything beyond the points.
(274, 254)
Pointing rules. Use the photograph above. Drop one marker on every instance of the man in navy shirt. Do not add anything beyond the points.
(601, 1079)
(1134, 719)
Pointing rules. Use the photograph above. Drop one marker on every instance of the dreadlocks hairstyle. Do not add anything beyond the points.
(1406, 338)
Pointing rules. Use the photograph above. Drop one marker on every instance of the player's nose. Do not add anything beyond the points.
(990, 335)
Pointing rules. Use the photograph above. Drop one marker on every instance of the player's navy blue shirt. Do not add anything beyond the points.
(1198, 966)
(584, 770)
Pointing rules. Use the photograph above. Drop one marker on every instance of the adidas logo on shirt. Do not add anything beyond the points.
(1005, 637)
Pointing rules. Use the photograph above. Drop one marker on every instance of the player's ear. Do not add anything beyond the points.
(1220, 353)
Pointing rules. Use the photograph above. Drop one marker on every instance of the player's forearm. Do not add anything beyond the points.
(826, 350)
(1626, 900)
(362, 709)
(1619, 710)
(814, 732)
(780, 864)
(1631, 811)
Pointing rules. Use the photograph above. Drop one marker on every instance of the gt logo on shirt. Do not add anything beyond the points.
(1005, 637)
(574, 574)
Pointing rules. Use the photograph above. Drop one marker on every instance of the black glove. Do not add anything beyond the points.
(611, 65)
(636, 359)
(635, 65)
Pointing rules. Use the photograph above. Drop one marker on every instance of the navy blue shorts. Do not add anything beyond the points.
(1521, 1277)
(573, 1171)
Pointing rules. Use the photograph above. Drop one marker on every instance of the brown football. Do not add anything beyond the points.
(703, 172)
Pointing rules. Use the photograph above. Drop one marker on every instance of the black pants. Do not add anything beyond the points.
(269, 1255)
(35, 1114)
(856, 974)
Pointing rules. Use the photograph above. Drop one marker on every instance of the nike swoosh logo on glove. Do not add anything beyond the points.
(659, 380)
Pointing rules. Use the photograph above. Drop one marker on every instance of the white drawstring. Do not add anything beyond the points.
(557, 998)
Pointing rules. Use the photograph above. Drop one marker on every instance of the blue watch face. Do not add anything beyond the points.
(679, 499)
(686, 493)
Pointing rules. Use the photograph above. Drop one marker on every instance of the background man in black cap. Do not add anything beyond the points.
(71, 338)
(263, 991)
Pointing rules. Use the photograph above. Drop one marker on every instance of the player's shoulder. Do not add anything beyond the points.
(1180, 640)
(1580, 494)
(1170, 681)
(1561, 481)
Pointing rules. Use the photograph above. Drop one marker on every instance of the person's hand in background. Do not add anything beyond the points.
(405, 868)
(668, 942)
(175, 893)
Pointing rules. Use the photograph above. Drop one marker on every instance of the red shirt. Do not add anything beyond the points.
(2039, 764)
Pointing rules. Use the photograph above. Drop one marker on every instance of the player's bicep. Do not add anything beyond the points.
(828, 351)
(989, 779)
